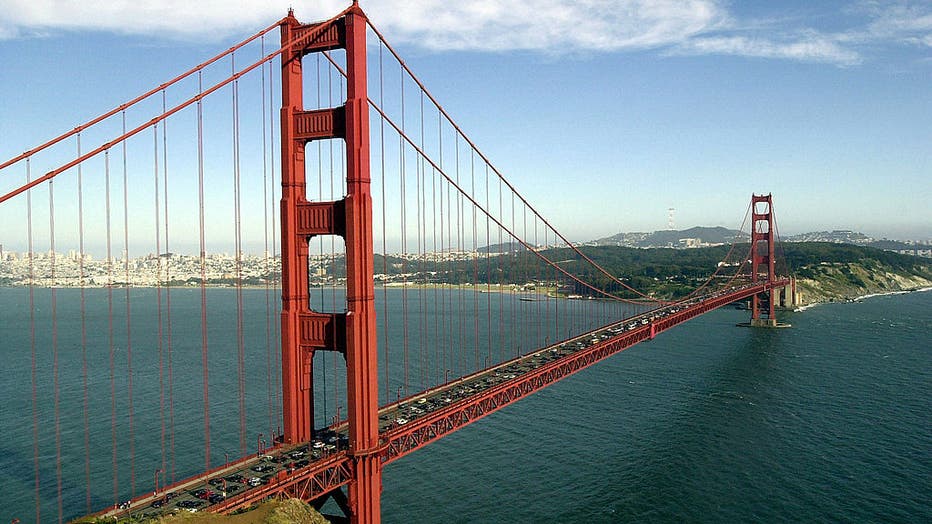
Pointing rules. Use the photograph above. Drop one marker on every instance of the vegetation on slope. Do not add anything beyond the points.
(290, 511)
(825, 271)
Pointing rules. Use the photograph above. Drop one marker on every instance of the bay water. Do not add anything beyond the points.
(825, 422)
(829, 421)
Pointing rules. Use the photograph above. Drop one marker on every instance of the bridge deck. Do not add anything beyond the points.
(313, 469)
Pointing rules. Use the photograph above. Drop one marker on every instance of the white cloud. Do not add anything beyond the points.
(190, 19)
(812, 47)
(551, 26)
(434, 24)
(7, 32)
(899, 20)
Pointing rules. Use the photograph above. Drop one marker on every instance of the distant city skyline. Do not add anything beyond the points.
(603, 126)
(634, 239)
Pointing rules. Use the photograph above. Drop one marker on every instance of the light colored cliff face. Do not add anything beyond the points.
(839, 282)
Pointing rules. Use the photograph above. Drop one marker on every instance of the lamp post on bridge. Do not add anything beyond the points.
(157, 471)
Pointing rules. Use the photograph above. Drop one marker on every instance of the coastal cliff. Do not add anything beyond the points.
(828, 272)
(838, 282)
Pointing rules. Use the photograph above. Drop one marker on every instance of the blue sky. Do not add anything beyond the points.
(603, 114)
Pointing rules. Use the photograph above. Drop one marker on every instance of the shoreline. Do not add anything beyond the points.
(861, 298)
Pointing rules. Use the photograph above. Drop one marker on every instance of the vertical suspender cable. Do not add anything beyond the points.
(488, 264)
(326, 359)
(527, 277)
(385, 305)
(54, 312)
(87, 430)
(421, 249)
(342, 171)
(168, 304)
(129, 338)
(238, 264)
(444, 335)
(452, 231)
(475, 264)
(81, 273)
(333, 196)
(404, 238)
(501, 281)
(276, 326)
(513, 254)
(265, 232)
(439, 341)
(435, 339)
(556, 322)
(537, 287)
(32, 340)
(203, 257)
(158, 292)
(320, 239)
(459, 370)
(110, 341)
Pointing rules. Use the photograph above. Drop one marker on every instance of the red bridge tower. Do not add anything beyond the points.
(762, 259)
(353, 333)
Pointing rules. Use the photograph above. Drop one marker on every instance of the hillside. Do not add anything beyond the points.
(830, 272)
(826, 271)
(672, 238)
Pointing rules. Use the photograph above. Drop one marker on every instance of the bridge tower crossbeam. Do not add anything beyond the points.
(304, 331)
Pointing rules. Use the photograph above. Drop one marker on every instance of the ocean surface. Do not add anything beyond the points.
(828, 421)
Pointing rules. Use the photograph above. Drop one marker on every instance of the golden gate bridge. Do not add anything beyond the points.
(492, 303)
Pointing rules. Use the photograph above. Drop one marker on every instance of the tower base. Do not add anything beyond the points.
(770, 323)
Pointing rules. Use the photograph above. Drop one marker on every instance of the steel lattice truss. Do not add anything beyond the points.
(307, 484)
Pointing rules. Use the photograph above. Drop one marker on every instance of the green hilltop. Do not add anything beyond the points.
(825, 271)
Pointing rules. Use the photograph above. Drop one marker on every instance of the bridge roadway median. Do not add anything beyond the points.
(313, 469)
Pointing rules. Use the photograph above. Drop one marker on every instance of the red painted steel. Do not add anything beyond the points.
(762, 230)
(304, 331)
(314, 37)
(361, 339)
(122, 107)
(485, 159)
(307, 484)
(297, 398)
(353, 333)
(404, 439)
(321, 478)
(325, 476)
